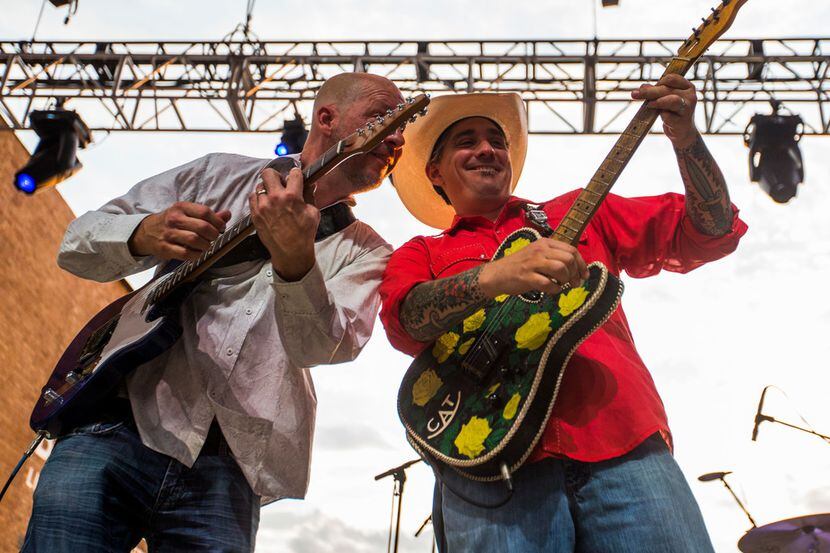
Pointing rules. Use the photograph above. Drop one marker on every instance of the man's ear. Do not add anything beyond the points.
(326, 119)
(433, 173)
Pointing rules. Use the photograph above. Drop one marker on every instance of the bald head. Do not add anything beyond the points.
(342, 90)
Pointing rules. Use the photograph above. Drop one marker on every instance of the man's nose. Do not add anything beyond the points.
(395, 140)
(485, 149)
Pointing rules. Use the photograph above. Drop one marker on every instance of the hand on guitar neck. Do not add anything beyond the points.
(182, 231)
(285, 222)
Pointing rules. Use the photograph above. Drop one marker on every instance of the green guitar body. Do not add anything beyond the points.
(481, 395)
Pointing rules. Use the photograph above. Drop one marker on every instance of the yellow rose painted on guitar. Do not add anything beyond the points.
(425, 387)
(474, 321)
(534, 332)
(572, 300)
(470, 441)
(444, 346)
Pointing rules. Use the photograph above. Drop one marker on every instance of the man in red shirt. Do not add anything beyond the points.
(602, 477)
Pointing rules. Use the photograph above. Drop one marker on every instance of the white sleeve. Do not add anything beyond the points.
(95, 244)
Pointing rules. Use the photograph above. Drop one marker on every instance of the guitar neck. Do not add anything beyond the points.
(576, 220)
(190, 270)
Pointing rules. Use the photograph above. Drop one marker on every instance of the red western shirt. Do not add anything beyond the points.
(607, 404)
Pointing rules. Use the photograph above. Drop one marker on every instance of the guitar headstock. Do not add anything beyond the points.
(712, 27)
(366, 138)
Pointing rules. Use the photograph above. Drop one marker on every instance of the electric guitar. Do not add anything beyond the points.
(479, 399)
(141, 325)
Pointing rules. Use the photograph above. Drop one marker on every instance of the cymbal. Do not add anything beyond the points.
(806, 534)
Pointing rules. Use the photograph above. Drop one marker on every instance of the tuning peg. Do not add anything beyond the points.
(410, 100)
(715, 15)
(696, 31)
(726, 2)
(422, 112)
(401, 106)
(360, 131)
(369, 126)
(389, 113)
(413, 118)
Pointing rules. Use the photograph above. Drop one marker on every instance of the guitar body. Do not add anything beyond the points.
(482, 394)
(122, 336)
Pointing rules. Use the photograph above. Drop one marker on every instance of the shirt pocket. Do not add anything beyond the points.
(455, 260)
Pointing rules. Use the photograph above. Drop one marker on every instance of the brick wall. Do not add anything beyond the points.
(41, 309)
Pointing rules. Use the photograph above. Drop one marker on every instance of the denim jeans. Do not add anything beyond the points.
(637, 503)
(102, 490)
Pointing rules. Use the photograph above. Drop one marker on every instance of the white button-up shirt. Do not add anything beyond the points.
(248, 337)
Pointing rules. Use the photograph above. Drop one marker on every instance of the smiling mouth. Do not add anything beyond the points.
(486, 171)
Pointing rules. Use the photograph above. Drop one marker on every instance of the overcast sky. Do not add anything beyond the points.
(712, 339)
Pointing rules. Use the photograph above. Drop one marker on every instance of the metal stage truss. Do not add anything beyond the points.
(569, 86)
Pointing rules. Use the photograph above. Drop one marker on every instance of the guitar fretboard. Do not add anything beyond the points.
(575, 221)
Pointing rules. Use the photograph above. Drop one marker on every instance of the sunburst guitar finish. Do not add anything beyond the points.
(481, 396)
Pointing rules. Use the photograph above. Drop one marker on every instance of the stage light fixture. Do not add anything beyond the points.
(294, 135)
(61, 132)
(606, 3)
(775, 161)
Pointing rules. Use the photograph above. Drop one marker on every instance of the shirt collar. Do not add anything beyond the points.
(472, 221)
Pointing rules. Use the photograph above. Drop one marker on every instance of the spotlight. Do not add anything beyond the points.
(775, 161)
(293, 139)
(61, 132)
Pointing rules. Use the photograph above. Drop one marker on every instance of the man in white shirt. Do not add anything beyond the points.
(200, 436)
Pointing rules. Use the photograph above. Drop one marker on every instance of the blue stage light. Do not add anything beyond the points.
(281, 149)
(25, 183)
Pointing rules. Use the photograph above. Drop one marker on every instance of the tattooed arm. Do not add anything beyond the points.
(431, 308)
(707, 199)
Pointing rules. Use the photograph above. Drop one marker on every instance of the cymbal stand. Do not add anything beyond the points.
(399, 476)
(421, 529)
(722, 477)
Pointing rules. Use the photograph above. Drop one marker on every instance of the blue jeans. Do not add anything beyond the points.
(637, 503)
(102, 490)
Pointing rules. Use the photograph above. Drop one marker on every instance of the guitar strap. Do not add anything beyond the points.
(537, 217)
(333, 219)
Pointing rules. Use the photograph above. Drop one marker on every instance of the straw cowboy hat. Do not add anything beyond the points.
(409, 178)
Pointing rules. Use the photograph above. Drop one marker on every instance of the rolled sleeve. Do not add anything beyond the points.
(408, 267)
(649, 234)
(328, 319)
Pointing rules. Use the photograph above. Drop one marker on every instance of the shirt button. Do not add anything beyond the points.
(248, 311)
(230, 351)
(268, 273)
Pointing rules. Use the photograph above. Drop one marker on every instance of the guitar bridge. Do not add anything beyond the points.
(482, 356)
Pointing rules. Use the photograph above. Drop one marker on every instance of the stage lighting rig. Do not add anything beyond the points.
(294, 135)
(775, 161)
(61, 132)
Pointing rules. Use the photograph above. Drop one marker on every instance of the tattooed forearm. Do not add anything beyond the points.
(707, 199)
(432, 308)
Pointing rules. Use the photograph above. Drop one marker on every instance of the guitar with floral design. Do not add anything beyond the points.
(478, 400)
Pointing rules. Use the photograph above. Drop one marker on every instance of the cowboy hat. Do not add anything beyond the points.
(410, 180)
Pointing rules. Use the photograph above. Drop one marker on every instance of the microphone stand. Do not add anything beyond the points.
(767, 418)
(399, 476)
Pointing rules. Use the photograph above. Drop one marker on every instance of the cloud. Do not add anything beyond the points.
(314, 532)
(349, 437)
